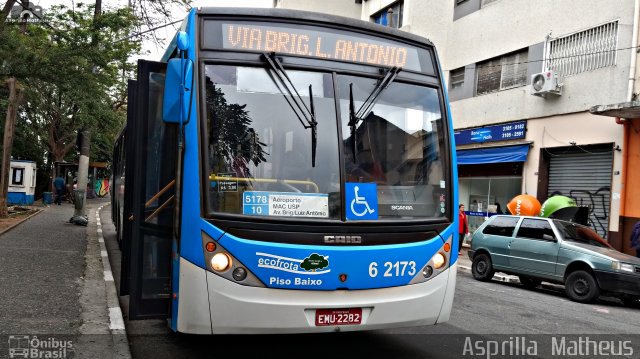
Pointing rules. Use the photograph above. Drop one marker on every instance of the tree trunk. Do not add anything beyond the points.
(15, 98)
(83, 172)
(6, 10)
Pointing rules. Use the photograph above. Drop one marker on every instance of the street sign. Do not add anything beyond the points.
(503, 132)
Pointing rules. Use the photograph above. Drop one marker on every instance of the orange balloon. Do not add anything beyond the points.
(524, 205)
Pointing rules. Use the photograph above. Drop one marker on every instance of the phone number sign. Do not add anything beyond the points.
(503, 132)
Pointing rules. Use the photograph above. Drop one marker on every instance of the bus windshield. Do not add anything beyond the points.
(260, 154)
(396, 142)
(258, 148)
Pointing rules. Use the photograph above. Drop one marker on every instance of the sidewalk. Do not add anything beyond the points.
(464, 265)
(52, 284)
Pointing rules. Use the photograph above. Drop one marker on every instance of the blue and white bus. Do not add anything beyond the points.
(285, 172)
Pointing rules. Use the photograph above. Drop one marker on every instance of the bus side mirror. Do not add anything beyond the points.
(178, 85)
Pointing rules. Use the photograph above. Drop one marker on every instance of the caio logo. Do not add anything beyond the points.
(25, 13)
(343, 239)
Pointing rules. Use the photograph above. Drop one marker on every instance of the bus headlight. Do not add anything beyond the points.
(439, 260)
(437, 264)
(220, 262)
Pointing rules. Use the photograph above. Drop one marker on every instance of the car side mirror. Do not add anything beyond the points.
(548, 237)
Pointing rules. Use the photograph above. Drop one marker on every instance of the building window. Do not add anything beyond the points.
(456, 78)
(17, 176)
(390, 16)
(583, 51)
(502, 73)
(484, 3)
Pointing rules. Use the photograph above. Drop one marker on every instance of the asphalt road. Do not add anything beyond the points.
(42, 258)
(483, 313)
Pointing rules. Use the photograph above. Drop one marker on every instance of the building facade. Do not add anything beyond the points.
(522, 76)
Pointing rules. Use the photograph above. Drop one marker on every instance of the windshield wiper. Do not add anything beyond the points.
(356, 116)
(306, 115)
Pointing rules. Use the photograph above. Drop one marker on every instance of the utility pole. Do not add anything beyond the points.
(80, 195)
(15, 98)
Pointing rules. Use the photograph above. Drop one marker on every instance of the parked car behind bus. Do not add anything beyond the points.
(541, 249)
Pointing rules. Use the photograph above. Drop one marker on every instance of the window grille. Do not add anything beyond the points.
(583, 51)
(502, 72)
(456, 78)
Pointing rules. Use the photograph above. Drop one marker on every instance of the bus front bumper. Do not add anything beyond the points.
(237, 309)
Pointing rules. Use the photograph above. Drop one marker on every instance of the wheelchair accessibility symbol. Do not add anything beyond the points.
(362, 200)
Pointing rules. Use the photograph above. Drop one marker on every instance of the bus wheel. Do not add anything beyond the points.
(631, 302)
(482, 269)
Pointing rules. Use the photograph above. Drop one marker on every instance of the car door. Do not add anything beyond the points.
(497, 235)
(534, 248)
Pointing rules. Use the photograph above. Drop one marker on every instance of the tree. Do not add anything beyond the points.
(72, 69)
(234, 143)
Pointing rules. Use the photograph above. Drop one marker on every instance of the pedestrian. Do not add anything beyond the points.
(463, 227)
(635, 238)
(59, 186)
(498, 208)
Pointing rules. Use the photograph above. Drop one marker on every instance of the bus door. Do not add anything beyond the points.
(151, 170)
(125, 207)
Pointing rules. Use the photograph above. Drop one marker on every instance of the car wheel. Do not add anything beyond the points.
(482, 269)
(529, 282)
(581, 287)
(633, 302)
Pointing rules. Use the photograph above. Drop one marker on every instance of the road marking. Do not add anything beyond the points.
(602, 310)
(108, 276)
(103, 254)
(115, 317)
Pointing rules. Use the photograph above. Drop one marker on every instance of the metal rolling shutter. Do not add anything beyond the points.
(586, 177)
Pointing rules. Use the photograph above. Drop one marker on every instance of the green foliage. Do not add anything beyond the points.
(234, 141)
(73, 71)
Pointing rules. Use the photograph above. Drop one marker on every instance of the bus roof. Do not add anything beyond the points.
(319, 18)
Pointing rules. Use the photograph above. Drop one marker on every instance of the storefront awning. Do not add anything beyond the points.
(493, 155)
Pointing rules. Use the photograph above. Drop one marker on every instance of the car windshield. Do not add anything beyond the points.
(580, 234)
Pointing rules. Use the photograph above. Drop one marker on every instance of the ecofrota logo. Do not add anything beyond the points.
(310, 265)
(25, 13)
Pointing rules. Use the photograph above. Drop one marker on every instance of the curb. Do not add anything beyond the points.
(499, 277)
(116, 321)
(37, 211)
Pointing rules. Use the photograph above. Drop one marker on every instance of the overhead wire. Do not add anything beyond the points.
(61, 32)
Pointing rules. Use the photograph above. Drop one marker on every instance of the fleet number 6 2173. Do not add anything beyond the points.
(393, 269)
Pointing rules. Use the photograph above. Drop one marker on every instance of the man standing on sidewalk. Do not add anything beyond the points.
(58, 184)
(463, 226)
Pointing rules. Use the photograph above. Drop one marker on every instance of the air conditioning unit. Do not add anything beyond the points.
(546, 83)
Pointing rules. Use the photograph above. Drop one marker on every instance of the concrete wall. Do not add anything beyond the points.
(483, 34)
(583, 128)
(347, 8)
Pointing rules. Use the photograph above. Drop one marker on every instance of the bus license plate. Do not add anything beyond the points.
(350, 316)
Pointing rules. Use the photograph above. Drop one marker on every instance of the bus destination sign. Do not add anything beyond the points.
(319, 43)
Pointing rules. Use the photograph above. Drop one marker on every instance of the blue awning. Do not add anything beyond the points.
(493, 155)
